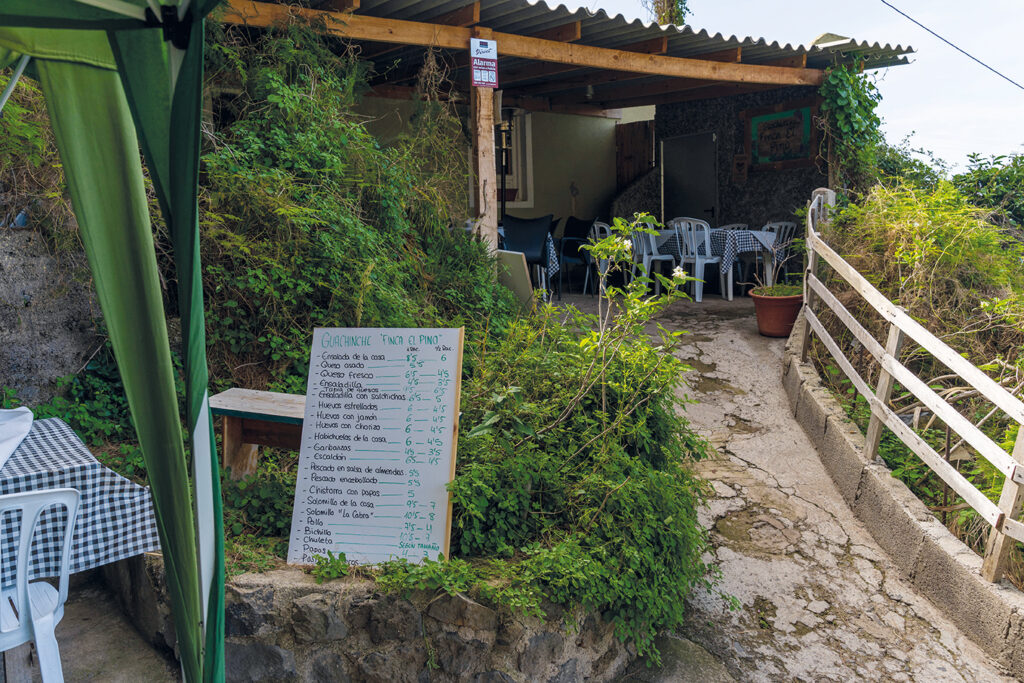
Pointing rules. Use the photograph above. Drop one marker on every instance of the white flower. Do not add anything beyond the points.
(678, 273)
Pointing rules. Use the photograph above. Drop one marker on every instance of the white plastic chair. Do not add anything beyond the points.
(598, 231)
(784, 232)
(695, 236)
(646, 254)
(31, 611)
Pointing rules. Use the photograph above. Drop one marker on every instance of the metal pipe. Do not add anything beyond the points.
(18, 70)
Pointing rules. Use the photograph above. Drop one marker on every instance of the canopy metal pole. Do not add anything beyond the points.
(18, 70)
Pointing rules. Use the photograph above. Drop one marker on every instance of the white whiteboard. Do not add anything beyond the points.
(378, 444)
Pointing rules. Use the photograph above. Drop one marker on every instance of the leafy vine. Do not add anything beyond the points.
(852, 127)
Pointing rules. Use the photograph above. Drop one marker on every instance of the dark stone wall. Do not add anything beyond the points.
(766, 195)
(642, 196)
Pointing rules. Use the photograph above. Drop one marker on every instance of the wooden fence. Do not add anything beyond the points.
(1002, 517)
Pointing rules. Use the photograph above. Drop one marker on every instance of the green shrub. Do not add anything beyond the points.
(940, 257)
(309, 222)
(995, 183)
(575, 469)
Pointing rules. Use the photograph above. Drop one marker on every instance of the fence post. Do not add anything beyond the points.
(882, 392)
(998, 547)
(812, 269)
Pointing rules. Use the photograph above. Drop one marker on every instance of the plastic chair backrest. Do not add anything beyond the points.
(576, 228)
(784, 233)
(32, 505)
(693, 233)
(598, 232)
(528, 236)
(644, 244)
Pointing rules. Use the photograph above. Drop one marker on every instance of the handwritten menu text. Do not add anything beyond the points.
(378, 444)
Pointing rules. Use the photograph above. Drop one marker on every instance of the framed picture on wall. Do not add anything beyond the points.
(783, 136)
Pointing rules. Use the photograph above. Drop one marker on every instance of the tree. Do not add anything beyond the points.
(667, 11)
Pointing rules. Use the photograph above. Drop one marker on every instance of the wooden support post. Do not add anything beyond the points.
(882, 392)
(239, 457)
(484, 171)
(18, 664)
(998, 547)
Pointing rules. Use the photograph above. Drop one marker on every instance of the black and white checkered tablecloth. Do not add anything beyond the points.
(115, 516)
(725, 243)
(553, 265)
(732, 243)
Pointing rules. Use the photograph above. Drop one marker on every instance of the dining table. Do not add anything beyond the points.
(728, 242)
(115, 515)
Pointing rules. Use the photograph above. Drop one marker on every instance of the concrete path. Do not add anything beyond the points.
(819, 599)
(97, 643)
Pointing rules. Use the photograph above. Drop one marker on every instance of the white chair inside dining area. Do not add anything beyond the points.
(784, 232)
(646, 254)
(598, 231)
(695, 236)
(32, 610)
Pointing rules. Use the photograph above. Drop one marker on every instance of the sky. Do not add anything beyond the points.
(952, 105)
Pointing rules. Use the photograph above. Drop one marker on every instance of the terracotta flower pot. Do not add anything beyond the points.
(776, 314)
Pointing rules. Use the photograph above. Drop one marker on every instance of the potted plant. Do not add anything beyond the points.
(778, 305)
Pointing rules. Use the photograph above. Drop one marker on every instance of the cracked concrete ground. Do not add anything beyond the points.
(819, 601)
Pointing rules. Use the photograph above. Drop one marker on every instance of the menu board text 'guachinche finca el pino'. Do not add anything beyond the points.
(378, 445)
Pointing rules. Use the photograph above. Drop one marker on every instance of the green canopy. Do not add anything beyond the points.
(118, 75)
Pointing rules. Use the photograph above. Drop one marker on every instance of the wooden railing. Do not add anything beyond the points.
(1002, 517)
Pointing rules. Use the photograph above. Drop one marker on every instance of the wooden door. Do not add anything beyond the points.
(634, 151)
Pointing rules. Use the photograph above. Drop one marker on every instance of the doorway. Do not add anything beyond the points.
(689, 177)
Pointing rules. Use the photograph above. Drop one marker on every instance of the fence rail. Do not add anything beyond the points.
(1002, 517)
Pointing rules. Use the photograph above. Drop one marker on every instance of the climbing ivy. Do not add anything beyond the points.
(852, 127)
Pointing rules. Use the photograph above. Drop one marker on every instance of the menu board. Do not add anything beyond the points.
(378, 445)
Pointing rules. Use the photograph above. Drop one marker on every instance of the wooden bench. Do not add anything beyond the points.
(257, 418)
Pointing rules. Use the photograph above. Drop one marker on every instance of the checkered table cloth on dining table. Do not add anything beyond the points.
(115, 516)
(728, 244)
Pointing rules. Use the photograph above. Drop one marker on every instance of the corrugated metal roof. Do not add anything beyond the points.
(599, 28)
(530, 17)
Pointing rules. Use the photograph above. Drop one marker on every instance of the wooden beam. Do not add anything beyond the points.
(528, 73)
(651, 46)
(358, 27)
(704, 92)
(634, 91)
(796, 61)
(732, 54)
(592, 79)
(485, 189)
(464, 16)
(340, 5)
(566, 33)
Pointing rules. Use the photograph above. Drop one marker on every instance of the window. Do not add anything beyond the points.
(519, 179)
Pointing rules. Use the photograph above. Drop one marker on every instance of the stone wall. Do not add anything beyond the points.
(283, 626)
(642, 196)
(766, 195)
(46, 312)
